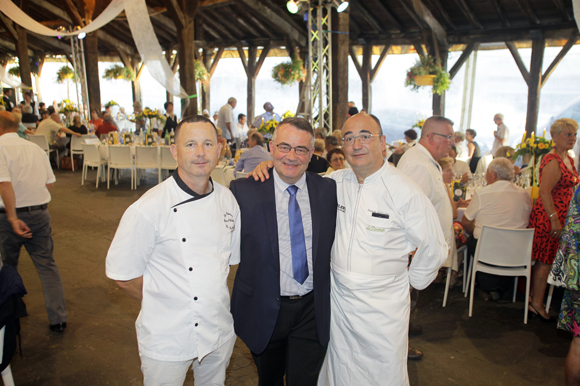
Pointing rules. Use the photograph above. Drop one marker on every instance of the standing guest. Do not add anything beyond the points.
(50, 128)
(252, 156)
(267, 116)
(225, 152)
(558, 177)
(498, 204)
(336, 159)
(462, 150)
(410, 139)
(106, 127)
(281, 299)
(95, 120)
(29, 119)
(351, 104)
(317, 163)
(25, 182)
(225, 120)
(320, 133)
(165, 254)
(241, 129)
(28, 101)
(170, 119)
(473, 149)
(215, 118)
(41, 107)
(501, 135)
(565, 274)
(459, 167)
(205, 113)
(7, 101)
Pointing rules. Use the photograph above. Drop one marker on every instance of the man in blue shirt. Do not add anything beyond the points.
(254, 155)
(267, 116)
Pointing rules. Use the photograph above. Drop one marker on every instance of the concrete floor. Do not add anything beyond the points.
(99, 347)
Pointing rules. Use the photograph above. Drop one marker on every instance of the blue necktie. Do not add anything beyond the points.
(299, 261)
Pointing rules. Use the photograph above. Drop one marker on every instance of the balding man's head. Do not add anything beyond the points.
(107, 117)
(8, 122)
(55, 117)
(437, 136)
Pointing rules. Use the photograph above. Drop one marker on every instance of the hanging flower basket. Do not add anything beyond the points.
(288, 73)
(119, 72)
(64, 73)
(201, 73)
(15, 71)
(426, 72)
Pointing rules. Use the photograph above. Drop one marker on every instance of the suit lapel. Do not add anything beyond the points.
(313, 195)
(269, 203)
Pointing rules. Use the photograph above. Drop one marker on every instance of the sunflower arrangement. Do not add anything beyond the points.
(119, 72)
(536, 147)
(287, 114)
(268, 127)
(419, 124)
(426, 66)
(288, 73)
(110, 104)
(68, 107)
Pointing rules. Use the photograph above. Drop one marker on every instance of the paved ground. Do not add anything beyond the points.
(99, 347)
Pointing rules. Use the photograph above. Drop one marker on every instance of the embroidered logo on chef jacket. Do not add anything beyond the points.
(375, 229)
(229, 221)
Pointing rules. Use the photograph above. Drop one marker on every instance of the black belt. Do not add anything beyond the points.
(295, 296)
(27, 208)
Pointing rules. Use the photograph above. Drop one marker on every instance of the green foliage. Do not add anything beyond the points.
(288, 73)
(64, 73)
(119, 72)
(426, 65)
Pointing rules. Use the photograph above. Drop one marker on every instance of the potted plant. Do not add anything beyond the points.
(64, 74)
(288, 73)
(426, 72)
(119, 72)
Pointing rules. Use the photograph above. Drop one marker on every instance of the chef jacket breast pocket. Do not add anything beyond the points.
(378, 228)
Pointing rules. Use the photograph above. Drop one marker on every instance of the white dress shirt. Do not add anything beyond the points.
(49, 129)
(462, 151)
(501, 204)
(289, 286)
(419, 165)
(460, 167)
(226, 115)
(503, 133)
(182, 244)
(26, 165)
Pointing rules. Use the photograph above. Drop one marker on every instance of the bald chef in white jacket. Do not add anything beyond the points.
(382, 217)
(172, 251)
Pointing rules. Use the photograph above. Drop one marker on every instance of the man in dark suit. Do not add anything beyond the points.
(281, 295)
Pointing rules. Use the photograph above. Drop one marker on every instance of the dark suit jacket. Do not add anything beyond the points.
(256, 293)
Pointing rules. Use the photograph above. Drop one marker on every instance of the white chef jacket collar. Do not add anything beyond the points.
(188, 190)
(426, 153)
(373, 176)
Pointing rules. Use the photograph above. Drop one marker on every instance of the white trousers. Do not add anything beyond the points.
(210, 371)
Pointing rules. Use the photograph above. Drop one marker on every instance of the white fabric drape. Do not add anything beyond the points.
(141, 29)
(11, 80)
(576, 6)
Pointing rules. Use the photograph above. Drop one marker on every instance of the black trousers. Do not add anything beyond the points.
(294, 349)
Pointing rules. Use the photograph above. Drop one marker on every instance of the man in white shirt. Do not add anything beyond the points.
(462, 150)
(499, 204)
(241, 130)
(226, 120)
(172, 251)
(501, 135)
(267, 116)
(251, 157)
(50, 128)
(25, 181)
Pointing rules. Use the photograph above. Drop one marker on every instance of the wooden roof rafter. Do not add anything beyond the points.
(469, 14)
(527, 9)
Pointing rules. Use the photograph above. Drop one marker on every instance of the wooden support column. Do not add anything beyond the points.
(168, 52)
(136, 83)
(367, 72)
(210, 65)
(252, 69)
(535, 85)
(340, 43)
(92, 67)
(22, 51)
(439, 100)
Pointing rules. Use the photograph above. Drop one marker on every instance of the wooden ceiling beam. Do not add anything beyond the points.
(207, 3)
(212, 31)
(569, 44)
(175, 11)
(369, 18)
(274, 17)
(261, 60)
(52, 41)
(215, 60)
(261, 26)
(379, 63)
(411, 12)
(563, 10)
(498, 9)
(163, 20)
(73, 12)
(355, 60)
(225, 26)
(527, 9)
(469, 14)
(464, 56)
(11, 47)
(396, 21)
(519, 62)
(437, 5)
(425, 14)
(242, 55)
(7, 23)
(222, 31)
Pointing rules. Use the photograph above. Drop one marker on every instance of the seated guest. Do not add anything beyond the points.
(51, 110)
(330, 143)
(320, 133)
(226, 152)
(254, 155)
(28, 118)
(459, 167)
(317, 163)
(338, 135)
(499, 204)
(461, 146)
(507, 152)
(77, 127)
(23, 131)
(250, 131)
(44, 115)
(410, 139)
(170, 119)
(95, 120)
(352, 111)
(50, 128)
(106, 127)
(335, 158)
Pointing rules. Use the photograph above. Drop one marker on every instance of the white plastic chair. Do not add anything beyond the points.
(41, 141)
(483, 163)
(92, 158)
(120, 157)
(463, 250)
(147, 157)
(166, 160)
(549, 299)
(504, 252)
(92, 141)
(76, 147)
(6, 373)
(218, 175)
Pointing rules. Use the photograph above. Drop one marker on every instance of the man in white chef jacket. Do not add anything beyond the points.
(382, 217)
(172, 251)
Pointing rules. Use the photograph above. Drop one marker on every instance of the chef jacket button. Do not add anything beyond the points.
(278, 299)
(195, 298)
(196, 325)
(190, 269)
(175, 209)
(183, 239)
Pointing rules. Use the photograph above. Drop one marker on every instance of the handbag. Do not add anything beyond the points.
(66, 163)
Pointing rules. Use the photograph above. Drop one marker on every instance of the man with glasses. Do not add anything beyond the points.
(281, 294)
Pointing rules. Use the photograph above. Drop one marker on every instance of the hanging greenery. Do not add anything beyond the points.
(15, 71)
(426, 72)
(119, 72)
(201, 73)
(288, 73)
(64, 73)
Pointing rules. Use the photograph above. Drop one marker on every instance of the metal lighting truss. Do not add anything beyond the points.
(319, 79)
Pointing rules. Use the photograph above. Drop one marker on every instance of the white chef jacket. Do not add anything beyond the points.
(419, 165)
(378, 224)
(182, 244)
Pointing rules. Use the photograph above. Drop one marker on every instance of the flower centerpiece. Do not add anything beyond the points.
(268, 127)
(419, 124)
(119, 72)
(287, 114)
(201, 73)
(64, 74)
(68, 107)
(535, 148)
(288, 73)
(427, 72)
(110, 104)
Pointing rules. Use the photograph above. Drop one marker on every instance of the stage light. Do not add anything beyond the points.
(340, 5)
(292, 6)
(82, 35)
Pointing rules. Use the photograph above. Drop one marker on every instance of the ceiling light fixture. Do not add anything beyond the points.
(340, 5)
(292, 6)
